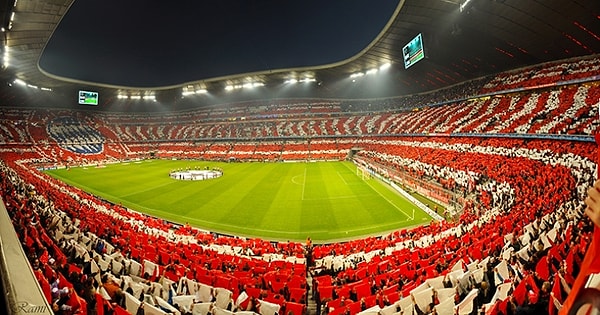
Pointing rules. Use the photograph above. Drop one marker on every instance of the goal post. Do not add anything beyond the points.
(363, 173)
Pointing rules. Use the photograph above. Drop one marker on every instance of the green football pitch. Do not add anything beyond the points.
(326, 201)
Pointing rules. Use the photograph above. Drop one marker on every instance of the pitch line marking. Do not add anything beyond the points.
(294, 181)
(342, 177)
(389, 201)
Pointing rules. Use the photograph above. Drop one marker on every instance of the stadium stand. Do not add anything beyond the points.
(516, 165)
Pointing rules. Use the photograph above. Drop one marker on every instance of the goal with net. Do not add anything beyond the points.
(363, 173)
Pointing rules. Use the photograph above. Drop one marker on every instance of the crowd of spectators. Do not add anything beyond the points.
(515, 249)
(542, 185)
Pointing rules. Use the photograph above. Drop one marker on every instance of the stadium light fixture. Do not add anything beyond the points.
(135, 97)
(33, 86)
(357, 75)
(20, 82)
(122, 96)
(291, 81)
(462, 7)
(371, 71)
(308, 80)
(149, 97)
(6, 57)
(385, 66)
(46, 89)
(248, 85)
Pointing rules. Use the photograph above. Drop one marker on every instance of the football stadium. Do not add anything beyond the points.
(299, 158)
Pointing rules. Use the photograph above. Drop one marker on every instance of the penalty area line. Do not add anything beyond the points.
(390, 202)
(342, 177)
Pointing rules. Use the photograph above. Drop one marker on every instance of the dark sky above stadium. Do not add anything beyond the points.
(149, 43)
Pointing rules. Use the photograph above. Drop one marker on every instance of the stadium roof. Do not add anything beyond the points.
(463, 39)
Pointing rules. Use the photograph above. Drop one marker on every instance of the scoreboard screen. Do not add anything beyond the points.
(413, 51)
(88, 98)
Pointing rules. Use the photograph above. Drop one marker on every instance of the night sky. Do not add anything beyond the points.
(148, 43)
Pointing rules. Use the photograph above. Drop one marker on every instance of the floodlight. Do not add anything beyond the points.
(385, 66)
(463, 5)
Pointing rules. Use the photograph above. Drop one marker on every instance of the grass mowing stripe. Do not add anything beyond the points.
(278, 201)
(303, 183)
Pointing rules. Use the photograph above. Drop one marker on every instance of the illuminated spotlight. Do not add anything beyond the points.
(249, 85)
(122, 96)
(32, 86)
(46, 89)
(464, 5)
(229, 88)
(291, 81)
(371, 71)
(307, 80)
(20, 82)
(12, 16)
(201, 91)
(385, 66)
(136, 97)
(357, 75)
(6, 57)
(186, 93)
(149, 97)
